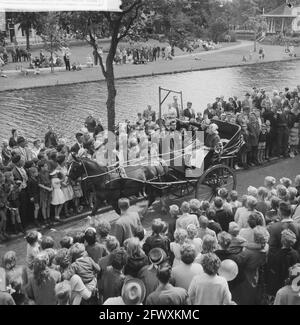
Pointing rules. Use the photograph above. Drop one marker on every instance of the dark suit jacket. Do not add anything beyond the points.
(75, 148)
(188, 114)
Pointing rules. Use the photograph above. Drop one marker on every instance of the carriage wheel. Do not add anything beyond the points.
(213, 179)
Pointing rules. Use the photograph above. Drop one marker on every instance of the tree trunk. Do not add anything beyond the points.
(111, 98)
(27, 33)
(255, 36)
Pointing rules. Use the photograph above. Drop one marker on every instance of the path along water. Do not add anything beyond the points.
(66, 107)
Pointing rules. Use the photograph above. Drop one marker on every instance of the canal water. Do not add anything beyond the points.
(66, 107)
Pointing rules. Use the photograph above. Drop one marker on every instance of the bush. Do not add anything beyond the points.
(229, 37)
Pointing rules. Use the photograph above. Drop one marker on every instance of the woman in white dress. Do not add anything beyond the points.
(66, 186)
(58, 198)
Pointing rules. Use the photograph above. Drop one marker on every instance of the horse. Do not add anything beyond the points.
(109, 184)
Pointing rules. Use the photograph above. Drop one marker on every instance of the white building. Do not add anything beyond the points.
(283, 19)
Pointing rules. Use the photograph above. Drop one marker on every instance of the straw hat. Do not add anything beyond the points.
(133, 292)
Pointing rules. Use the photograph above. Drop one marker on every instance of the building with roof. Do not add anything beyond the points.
(283, 19)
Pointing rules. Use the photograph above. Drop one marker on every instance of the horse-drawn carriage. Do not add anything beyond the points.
(160, 180)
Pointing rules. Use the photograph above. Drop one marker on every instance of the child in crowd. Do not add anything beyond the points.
(286, 182)
(294, 140)
(34, 192)
(78, 194)
(262, 143)
(66, 242)
(268, 141)
(234, 202)
(204, 230)
(45, 190)
(237, 242)
(58, 198)
(246, 149)
(174, 213)
(33, 239)
(84, 266)
(193, 238)
(292, 194)
(3, 208)
(13, 189)
(157, 239)
(270, 183)
(180, 237)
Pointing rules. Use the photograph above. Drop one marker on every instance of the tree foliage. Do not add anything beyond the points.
(139, 20)
(52, 35)
(28, 21)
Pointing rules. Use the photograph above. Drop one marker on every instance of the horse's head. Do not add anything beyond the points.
(76, 168)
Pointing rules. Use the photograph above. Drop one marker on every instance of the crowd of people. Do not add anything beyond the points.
(258, 232)
(144, 54)
(35, 187)
(229, 252)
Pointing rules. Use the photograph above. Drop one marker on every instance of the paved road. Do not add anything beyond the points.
(255, 177)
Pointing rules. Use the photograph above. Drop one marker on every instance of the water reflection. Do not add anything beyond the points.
(65, 107)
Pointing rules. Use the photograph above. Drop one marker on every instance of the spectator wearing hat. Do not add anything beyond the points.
(166, 293)
(147, 274)
(183, 273)
(94, 249)
(112, 279)
(287, 296)
(133, 293)
(208, 288)
(157, 239)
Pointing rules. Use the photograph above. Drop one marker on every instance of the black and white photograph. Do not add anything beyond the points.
(149, 155)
